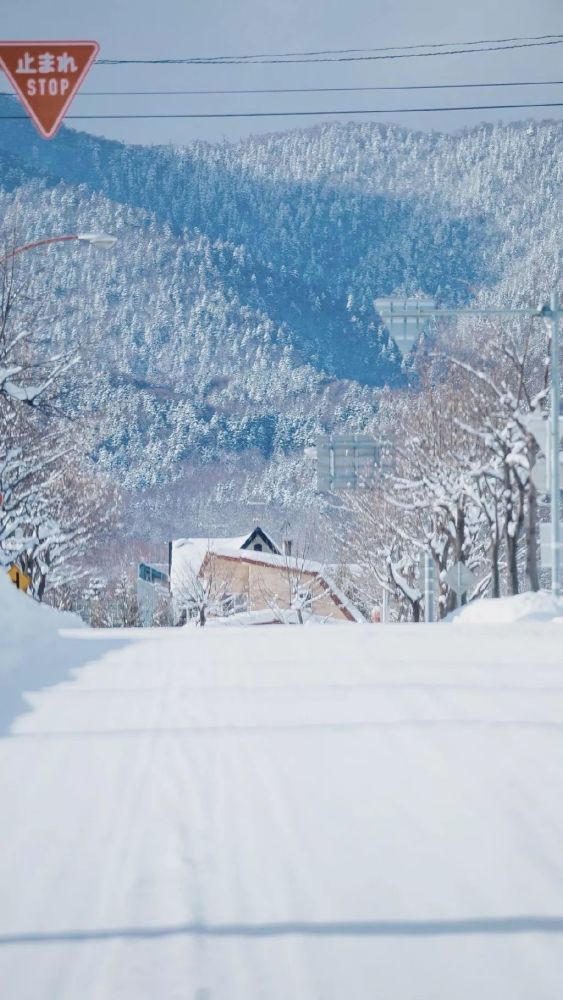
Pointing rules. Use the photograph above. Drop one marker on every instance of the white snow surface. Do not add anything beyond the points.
(318, 814)
(26, 626)
(266, 616)
(521, 608)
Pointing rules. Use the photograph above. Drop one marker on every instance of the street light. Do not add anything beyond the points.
(103, 240)
(412, 314)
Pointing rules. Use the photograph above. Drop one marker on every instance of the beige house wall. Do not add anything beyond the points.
(233, 572)
(266, 586)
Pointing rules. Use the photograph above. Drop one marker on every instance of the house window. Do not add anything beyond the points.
(151, 575)
(233, 604)
(258, 547)
(303, 596)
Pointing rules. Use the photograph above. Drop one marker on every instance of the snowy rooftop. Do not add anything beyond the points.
(188, 555)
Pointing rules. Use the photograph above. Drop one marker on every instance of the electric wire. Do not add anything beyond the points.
(310, 90)
(299, 114)
(324, 55)
(249, 61)
(391, 48)
(343, 55)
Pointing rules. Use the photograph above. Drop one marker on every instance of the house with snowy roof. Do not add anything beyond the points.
(254, 578)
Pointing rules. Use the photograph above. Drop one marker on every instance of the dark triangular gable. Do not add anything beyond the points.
(259, 537)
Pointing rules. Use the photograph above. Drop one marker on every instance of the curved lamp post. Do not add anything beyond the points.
(102, 240)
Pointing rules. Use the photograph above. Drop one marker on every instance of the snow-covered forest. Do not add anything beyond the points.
(234, 321)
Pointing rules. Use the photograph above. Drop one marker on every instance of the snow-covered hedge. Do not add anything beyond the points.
(507, 610)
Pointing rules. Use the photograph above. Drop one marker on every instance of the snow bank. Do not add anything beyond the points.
(541, 607)
(25, 625)
(267, 617)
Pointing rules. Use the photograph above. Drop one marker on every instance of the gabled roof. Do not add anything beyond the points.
(306, 568)
(258, 533)
(188, 554)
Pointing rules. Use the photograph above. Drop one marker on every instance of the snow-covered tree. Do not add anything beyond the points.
(200, 588)
(52, 504)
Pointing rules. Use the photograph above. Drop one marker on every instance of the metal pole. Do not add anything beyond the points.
(37, 243)
(428, 588)
(385, 607)
(555, 478)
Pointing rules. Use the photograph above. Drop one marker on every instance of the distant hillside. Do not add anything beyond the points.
(236, 317)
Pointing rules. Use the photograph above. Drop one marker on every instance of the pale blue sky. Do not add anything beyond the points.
(175, 28)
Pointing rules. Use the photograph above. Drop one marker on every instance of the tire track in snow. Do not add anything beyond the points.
(120, 859)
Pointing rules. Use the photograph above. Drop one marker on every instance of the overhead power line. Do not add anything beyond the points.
(301, 114)
(403, 48)
(310, 90)
(389, 48)
(353, 55)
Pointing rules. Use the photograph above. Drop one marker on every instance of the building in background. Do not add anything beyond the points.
(251, 577)
(153, 590)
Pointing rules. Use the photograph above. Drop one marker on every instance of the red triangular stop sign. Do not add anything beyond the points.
(46, 76)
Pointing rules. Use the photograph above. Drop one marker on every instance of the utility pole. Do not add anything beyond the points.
(385, 607)
(555, 446)
(428, 588)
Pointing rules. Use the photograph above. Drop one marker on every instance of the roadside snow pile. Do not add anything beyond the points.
(267, 617)
(529, 607)
(25, 625)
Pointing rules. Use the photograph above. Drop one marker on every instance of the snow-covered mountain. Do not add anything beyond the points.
(234, 320)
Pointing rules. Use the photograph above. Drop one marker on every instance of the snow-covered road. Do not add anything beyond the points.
(351, 813)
